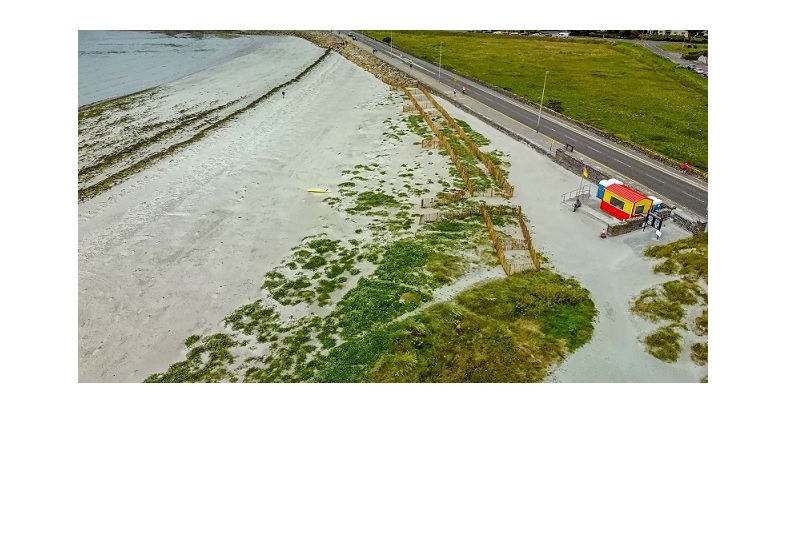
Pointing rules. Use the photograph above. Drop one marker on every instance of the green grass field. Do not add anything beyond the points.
(618, 87)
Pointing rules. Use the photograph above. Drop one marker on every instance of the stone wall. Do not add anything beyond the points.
(688, 221)
(681, 219)
(626, 226)
(346, 48)
(575, 165)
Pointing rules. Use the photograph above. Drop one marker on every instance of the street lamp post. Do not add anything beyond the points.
(440, 62)
(542, 95)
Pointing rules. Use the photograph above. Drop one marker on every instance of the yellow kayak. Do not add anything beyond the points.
(319, 190)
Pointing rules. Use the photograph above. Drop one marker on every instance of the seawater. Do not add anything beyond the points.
(116, 63)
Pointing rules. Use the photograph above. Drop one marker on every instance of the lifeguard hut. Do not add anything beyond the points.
(623, 202)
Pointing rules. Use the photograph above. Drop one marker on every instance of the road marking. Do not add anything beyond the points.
(653, 178)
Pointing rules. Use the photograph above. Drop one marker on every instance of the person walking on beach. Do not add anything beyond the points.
(282, 94)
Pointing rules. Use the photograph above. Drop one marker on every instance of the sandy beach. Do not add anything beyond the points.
(172, 250)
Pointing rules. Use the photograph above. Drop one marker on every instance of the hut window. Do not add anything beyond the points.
(617, 202)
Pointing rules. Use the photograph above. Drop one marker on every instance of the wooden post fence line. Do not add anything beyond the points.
(493, 170)
(455, 197)
(493, 235)
(444, 142)
(511, 243)
(528, 239)
(454, 215)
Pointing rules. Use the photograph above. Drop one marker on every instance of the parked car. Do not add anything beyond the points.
(699, 70)
(691, 66)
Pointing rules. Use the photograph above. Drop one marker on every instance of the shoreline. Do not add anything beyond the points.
(171, 248)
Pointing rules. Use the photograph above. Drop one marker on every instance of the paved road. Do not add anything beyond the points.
(684, 191)
(656, 47)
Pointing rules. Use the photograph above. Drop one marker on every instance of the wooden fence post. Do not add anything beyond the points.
(497, 175)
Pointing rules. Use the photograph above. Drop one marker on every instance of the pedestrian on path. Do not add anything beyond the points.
(685, 168)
